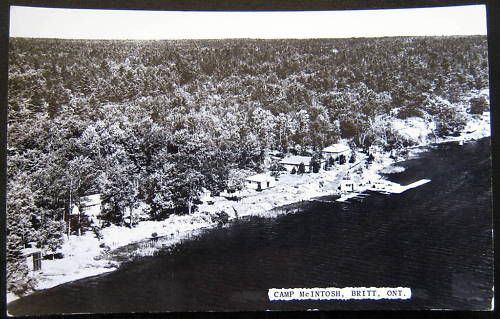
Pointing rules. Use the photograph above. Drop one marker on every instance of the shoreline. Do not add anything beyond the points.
(86, 256)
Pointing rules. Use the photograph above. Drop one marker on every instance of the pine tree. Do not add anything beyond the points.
(21, 211)
(352, 159)
(342, 159)
(315, 163)
(370, 158)
(302, 169)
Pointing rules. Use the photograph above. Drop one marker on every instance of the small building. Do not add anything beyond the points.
(334, 151)
(346, 185)
(275, 155)
(260, 182)
(205, 196)
(231, 194)
(33, 258)
(294, 161)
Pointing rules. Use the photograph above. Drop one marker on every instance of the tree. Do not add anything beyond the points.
(342, 159)
(79, 169)
(261, 123)
(118, 187)
(276, 169)
(315, 166)
(18, 279)
(50, 235)
(158, 192)
(323, 132)
(302, 169)
(193, 183)
(284, 126)
(449, 121)
(315, 163)
(302, 132)
(370, 158)
(22, 213)
(352, 159)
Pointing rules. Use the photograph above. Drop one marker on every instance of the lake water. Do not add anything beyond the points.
(435, 239)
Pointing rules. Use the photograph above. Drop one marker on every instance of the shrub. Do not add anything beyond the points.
(221, 218)
(478, 105)
(18, 280)
(370, 158)
(276, 169)
(449, 122)
(294, 171)
(342, 159)
(352, 159)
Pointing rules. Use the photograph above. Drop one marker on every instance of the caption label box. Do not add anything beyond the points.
(332, 293)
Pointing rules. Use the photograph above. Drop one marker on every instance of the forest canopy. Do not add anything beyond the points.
(154, 122)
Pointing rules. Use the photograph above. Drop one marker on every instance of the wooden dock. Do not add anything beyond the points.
(384, 187)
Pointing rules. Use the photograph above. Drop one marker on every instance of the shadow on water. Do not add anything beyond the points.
(435, 239)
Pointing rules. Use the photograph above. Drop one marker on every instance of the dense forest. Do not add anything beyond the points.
(154, 122)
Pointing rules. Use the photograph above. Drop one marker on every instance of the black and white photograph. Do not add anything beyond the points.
(194, 161)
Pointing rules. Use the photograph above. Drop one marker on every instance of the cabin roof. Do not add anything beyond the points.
(259, 178)
(90, 200)
(296, 160)
(336, 148)
(274, 152)
(30, 251)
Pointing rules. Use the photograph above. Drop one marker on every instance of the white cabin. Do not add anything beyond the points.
(290, 162)
(205, 196)
(346, 185)
(335, 150)
(260, 182)
(33, 258)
